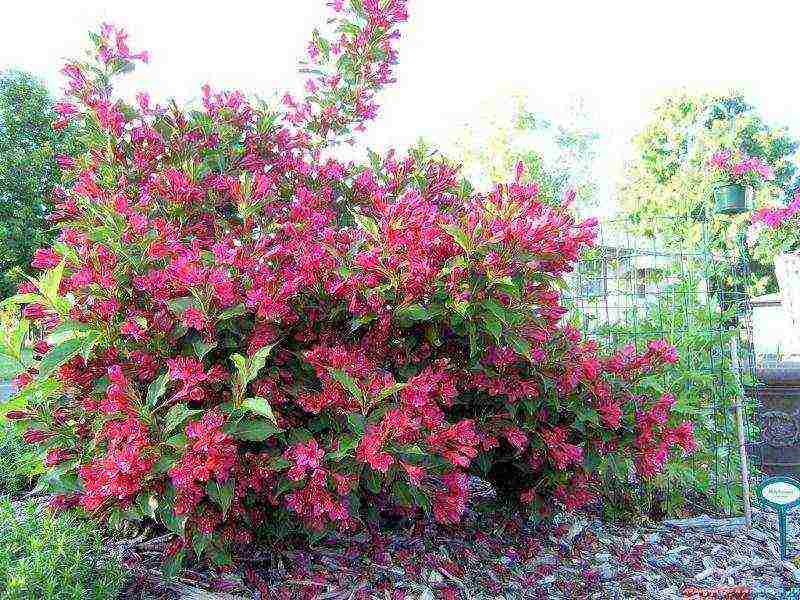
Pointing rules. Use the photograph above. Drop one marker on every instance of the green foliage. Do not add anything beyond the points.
(19, 463)
(53, 557)
(668, 186)
(28, 171)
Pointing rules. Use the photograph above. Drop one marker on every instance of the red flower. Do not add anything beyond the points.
(457, 443)
(516, 437)
(305, 458)
(449, 504)
(193, 317)
(369, 451)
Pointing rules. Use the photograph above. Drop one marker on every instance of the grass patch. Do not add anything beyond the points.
(20, 463)
(51, 557)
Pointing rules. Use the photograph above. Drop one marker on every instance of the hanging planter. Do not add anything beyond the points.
(738, 174)
(731, 198)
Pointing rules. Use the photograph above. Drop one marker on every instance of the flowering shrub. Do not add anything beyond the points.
(242, 331)
(738, 167)
(775, 230)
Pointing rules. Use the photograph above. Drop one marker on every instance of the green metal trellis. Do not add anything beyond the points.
(630, 289)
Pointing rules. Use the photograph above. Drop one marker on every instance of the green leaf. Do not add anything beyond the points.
(346, 445)
(373, 482)
(220, 557)
(164, 463)
(66, 330)
(179, 305)
(16, 402)
(177, 415)
(50, 281)
(88, 343)
(221, 494)
(257, 361)
(147, 503)
(402, 492)
(262, 407)
(173, 522)
(498, 310)
(241, 367)
(522, 346)
(473, 339)
(460, 237)
(233, 311)
(200, 542)
(68, 252)
(29, 298)
(347, 383)
(278, 463)
(177, 441)
(254, 430)
(10, 367)
(390, 391)
(173, 565)
(414, 312)
(412, 450)
(201, 348)
(157, 388)
(59, 479)
(492, 325)
(368, 224)
(59, 355)
(356, 422)
(62, 305)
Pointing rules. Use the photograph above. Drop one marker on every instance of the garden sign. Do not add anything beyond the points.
(780, 493)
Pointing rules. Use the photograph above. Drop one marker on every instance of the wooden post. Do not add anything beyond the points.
(737, 405)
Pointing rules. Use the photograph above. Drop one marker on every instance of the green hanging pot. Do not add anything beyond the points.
(730, 198)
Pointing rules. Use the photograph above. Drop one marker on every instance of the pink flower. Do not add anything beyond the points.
(192, 317)
(720, 159)
(414, 324)
(133, 329)
(369, 451)
(516, 437)
(415, 473)
(561, 452)
(458, 443)
(451, 502)
(305, 458)
(45, 258)
(187, 369)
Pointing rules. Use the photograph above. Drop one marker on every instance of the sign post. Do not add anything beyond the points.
(780, 493)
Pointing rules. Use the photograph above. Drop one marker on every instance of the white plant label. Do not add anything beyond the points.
(781, 492)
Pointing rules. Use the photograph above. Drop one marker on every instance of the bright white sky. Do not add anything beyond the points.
(455, 54)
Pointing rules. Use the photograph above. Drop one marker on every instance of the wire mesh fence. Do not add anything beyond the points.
(631, 289)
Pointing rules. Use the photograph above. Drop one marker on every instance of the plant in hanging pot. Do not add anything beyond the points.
(739, 174)
(775, 235)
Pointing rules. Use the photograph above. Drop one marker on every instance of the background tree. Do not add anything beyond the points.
(28, 171)
(667, 187)
(511, 131)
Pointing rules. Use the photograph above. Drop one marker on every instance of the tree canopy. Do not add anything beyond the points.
(668, 178)
(28, 171)
(667, 188)
(511, 131)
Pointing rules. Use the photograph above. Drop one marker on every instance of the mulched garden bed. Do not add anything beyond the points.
(494, 556)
